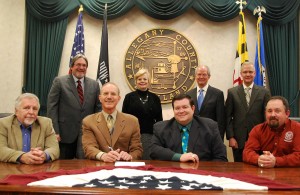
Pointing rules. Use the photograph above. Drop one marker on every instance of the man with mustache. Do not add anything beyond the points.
(26, 137)
(276, 142)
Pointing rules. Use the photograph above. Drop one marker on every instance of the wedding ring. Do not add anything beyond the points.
(261, 165)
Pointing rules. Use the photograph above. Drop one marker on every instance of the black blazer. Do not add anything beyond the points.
(212, 106)
(148, 114)
(204, 140)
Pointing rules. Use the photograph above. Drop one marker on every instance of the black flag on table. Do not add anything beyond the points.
(103, 65)
(78, 44)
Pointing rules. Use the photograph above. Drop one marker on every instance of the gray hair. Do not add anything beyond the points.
(203, 66)
(26, 96)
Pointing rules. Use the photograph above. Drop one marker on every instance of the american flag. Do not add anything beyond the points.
(78, 45)
(103, 65)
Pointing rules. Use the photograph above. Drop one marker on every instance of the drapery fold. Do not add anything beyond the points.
(281, 27)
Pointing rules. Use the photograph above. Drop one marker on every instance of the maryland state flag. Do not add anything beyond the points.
(241, 51)
(103, 65)
(78, 45)
(260, 78)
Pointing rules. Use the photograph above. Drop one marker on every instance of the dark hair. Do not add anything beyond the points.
(80, 55)
(284, 101)
(181, 97)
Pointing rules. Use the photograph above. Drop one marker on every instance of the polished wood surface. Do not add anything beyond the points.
(284, 175)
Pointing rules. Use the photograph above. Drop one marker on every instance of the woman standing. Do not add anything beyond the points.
(145, 106)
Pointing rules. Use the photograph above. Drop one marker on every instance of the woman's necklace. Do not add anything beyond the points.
(144, 101)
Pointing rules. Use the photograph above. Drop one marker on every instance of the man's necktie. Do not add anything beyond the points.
(248, 96)
(110, 123)
(80, 91)
(200, 99)
(185, 139)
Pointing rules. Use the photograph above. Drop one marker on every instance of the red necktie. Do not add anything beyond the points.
(80, 91)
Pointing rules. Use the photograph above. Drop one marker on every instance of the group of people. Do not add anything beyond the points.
(86, 123)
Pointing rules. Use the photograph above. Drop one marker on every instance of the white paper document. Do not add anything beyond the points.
(130, 164)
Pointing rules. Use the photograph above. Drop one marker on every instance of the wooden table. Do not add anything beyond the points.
(284, 175)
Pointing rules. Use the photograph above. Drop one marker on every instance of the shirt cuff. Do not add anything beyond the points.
(98, 156)
(48, 158)
(176, 157)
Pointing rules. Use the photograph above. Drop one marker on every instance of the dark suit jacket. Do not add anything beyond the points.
(239, 118)
(126, 135)
(64, 107)
(42, 135)
(204, 140)
(212, 106)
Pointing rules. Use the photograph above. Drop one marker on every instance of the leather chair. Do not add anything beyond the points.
(5, 114)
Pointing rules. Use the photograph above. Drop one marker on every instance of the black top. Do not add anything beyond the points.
(145, 106)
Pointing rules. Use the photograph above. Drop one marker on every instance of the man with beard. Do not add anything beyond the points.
(276, 142)
(26, 137)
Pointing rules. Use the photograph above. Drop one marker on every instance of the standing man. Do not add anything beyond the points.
(26, 137)
(187, 137)
(276, 142)
(245, 105)
(111, 135)
(71, 98)
(210, 100)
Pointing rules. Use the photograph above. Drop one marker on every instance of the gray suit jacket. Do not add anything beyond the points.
(239, 118)
(42, 135)
(212, 106)
(204, 140)
(126, 135)
(64, 107)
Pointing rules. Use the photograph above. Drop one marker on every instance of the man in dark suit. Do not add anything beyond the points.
(187, 137)
(111, 135)
(244, 107)
(213, 99)
(71, 98)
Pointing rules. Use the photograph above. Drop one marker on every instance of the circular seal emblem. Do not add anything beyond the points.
(170, 58)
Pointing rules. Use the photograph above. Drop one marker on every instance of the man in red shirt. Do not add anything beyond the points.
(276, 142)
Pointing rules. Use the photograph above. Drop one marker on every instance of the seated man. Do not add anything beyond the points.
(111, 135)
(187, 137)
(276, 142)
(25, 137)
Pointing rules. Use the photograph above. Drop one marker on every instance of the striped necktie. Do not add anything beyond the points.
(80, 92)
(248, 96)
(185, 139)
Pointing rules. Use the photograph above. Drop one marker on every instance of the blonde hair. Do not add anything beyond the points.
(141, 72)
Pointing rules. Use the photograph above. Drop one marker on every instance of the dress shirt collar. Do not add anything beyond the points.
(251, 86)
(204, 88)
(188, 126)
(76, 79)
(114, 115)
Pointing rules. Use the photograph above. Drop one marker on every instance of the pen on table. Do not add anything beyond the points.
(110, 148)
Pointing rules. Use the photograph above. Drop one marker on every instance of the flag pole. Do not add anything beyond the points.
(260, 66)
(241, 50)
(103, 65)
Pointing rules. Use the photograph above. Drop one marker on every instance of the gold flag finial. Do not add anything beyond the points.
(241, 3)
(80, 9)
(259, 10)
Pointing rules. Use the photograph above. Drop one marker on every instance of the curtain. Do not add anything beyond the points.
(47, 21)
(46, 25)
